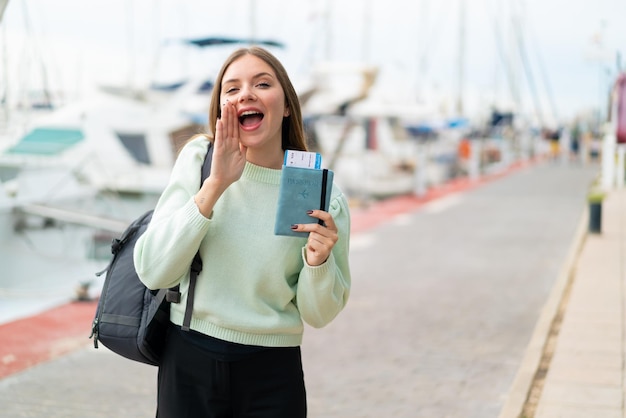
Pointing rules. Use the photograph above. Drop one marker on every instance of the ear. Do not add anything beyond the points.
(286, 112)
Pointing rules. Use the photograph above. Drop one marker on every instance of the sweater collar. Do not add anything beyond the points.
(261, 174)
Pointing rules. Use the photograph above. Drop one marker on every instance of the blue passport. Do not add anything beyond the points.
(301, 190)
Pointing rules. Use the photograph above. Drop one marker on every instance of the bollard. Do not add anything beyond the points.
(595, 217)
(595, 198)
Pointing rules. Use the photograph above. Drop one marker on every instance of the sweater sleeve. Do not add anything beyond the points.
(323, 290)
(163, 254)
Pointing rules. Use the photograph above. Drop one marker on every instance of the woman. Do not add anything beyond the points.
(242, 356)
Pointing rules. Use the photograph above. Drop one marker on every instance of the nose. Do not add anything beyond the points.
(246, 94)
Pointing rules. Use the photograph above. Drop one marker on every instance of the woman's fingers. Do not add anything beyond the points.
(229, 156)
(325, 219)
(325, 226)
(322, 239)
(227, 127)
(319, 247)
(233, 123)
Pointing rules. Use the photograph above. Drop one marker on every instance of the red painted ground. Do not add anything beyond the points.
(363, 219)
(29, 341)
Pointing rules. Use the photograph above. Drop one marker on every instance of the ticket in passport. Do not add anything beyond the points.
(303, 159)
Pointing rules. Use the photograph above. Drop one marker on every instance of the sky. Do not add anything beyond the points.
(554, 58)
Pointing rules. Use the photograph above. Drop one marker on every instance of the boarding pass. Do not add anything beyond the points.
(303, 159)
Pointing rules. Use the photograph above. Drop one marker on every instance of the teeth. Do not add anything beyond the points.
(249, 112)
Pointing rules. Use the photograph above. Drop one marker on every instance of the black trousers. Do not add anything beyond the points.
(194, 384)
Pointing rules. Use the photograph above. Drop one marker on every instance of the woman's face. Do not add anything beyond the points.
(251, 85)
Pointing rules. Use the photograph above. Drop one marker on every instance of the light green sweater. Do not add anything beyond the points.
(255, 287)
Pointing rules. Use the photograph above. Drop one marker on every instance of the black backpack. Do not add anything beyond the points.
(132, 320)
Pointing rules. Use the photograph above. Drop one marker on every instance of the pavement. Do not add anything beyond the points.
(570, 364)
(574, 365)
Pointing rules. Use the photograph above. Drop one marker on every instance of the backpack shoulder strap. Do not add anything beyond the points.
(206, 165)
(196, 264)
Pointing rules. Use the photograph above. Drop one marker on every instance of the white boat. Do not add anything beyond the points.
(55, 227)
(363, 137)
(54, 238)
(60, 206)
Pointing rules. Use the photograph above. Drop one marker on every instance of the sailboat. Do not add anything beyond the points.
(56, 224)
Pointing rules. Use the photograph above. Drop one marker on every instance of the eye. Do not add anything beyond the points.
(230, 90)
(264, 85)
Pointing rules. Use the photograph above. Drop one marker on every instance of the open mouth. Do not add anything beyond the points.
(250, 118)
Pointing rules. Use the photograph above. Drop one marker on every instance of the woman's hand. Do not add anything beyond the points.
(322, 238)
(229, 155)
(229, 160)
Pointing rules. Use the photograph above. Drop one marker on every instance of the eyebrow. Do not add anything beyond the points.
(259, 75)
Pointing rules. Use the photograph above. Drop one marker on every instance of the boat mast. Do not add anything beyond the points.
(5, 66)
(253, 21)
(130, 76)
(521, 47)
(367, 24)
(3, 5)
(328, 17)
(422, 51)
(461, 63)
